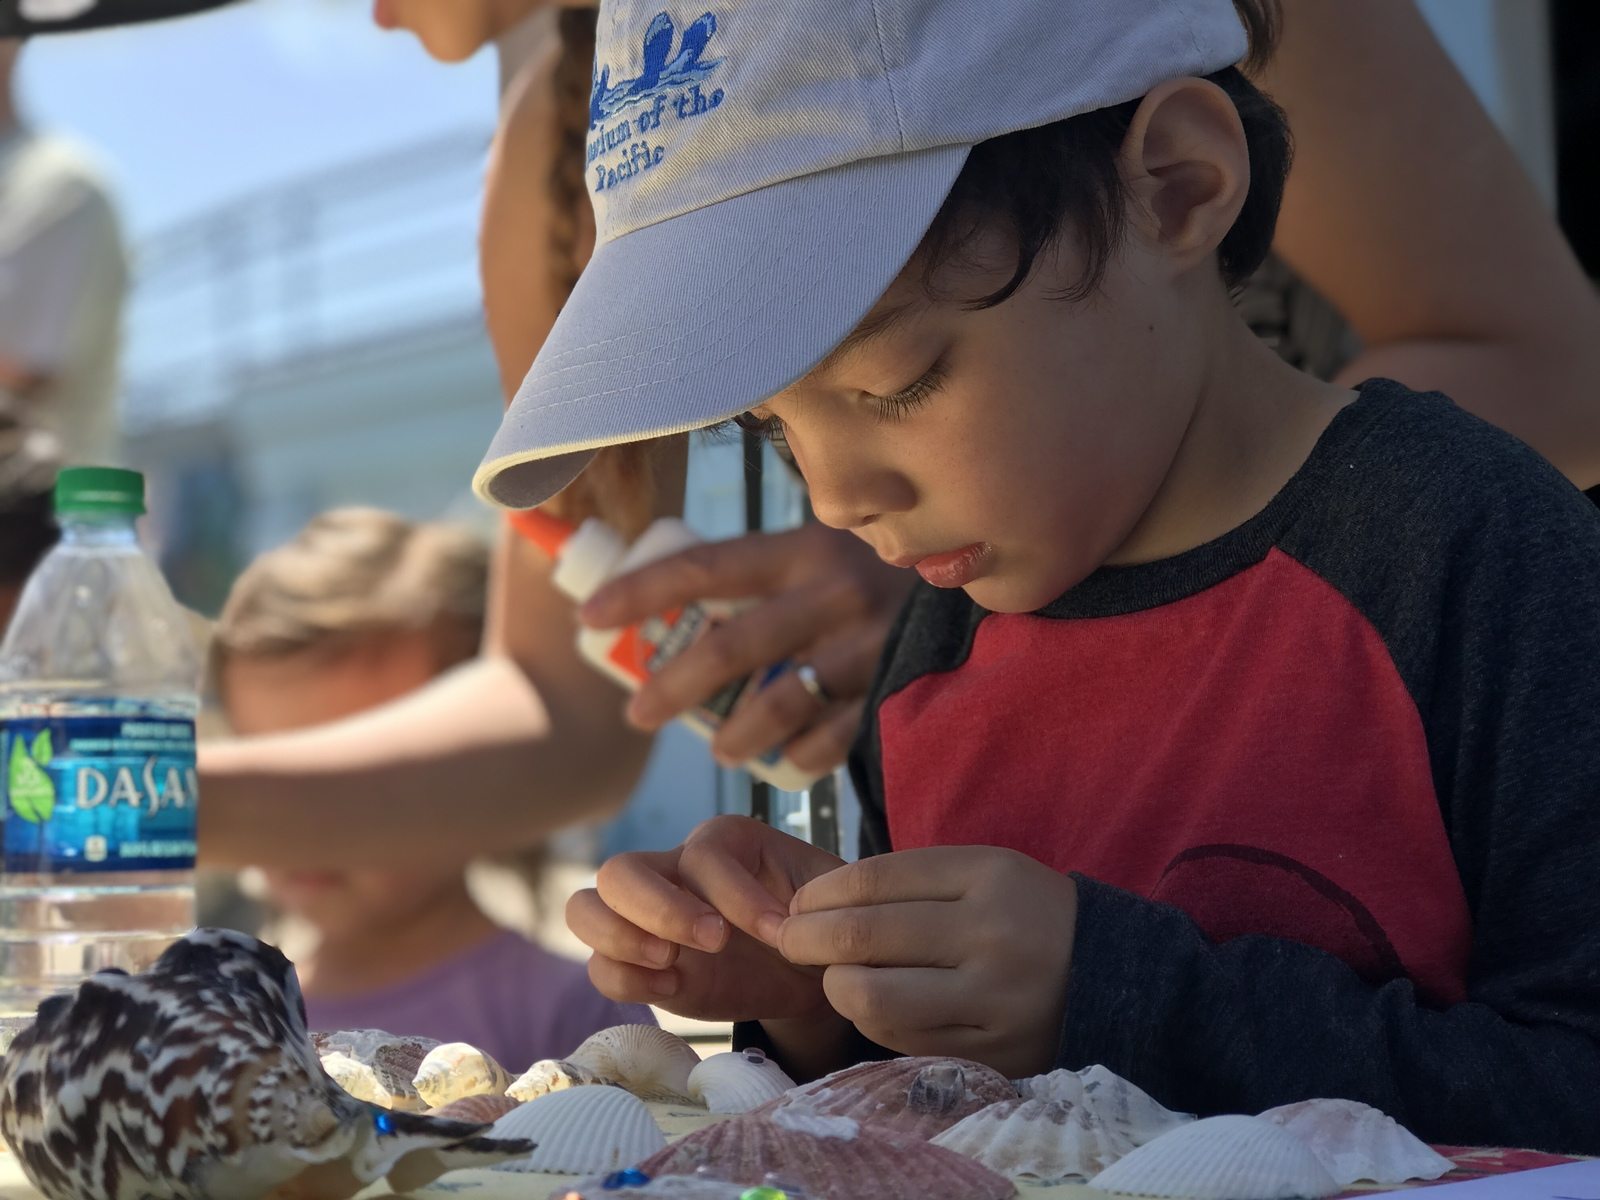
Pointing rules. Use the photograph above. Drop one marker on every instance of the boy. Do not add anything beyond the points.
(1242, 739)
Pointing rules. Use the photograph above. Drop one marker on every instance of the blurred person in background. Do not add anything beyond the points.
(63, 279)
(360, 609)
(29, 460)
(1381, 270)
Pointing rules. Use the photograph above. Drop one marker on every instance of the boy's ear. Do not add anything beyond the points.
(1187, 166)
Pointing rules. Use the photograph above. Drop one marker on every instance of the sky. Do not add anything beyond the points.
(191, 114)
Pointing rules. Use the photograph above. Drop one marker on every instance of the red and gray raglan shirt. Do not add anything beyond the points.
(1330, 786)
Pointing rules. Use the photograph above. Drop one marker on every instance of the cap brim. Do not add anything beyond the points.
(700, 317)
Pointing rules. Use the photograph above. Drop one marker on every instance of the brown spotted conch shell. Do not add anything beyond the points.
(197, 1081)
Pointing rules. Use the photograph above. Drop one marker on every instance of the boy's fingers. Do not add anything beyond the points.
(900, 1001)
(728, 886)
(918, 933)
(604, 932)
(638, 889)
(935, 873)
(730, 570)
(631, 984)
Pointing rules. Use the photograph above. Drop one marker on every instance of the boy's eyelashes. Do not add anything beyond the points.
(892, 407)
(895, 406)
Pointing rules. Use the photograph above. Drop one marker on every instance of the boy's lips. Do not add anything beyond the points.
(949, 569)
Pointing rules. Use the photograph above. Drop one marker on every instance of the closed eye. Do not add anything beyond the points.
(896, 406)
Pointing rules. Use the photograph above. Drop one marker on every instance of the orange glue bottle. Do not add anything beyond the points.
(585, 557)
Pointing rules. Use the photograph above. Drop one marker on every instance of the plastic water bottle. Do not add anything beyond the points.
(98, 682)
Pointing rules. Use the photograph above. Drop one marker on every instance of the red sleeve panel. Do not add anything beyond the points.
(1249, 754)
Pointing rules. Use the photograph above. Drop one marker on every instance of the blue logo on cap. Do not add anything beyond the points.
(669, 84)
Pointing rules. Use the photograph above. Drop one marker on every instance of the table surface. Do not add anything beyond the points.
(675, 1122)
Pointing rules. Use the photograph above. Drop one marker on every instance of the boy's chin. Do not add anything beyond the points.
(1002, 595)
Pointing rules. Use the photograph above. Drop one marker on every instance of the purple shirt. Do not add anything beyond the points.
(505, 995)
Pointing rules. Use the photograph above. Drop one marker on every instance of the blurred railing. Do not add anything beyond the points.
(361, 255)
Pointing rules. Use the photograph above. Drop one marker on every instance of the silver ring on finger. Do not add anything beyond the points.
(807, 675)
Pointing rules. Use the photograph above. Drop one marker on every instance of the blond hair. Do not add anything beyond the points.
(354, 576)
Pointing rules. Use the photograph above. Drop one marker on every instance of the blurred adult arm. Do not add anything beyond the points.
(503, 750)
(1409, 212)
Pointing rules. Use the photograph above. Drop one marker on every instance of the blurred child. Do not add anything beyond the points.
(360, 608)
(1240, 735)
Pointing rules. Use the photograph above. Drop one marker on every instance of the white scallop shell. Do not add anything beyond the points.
(1109, 1097)
(456, 1070)
(1043, 1140)
(1221, 1158)
(650, 1062)
(1356, 1141)
(737, 1081)
(584, 1131)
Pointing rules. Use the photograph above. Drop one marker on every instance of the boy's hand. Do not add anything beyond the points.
(691, 929)
(823, 598)
(959, 950)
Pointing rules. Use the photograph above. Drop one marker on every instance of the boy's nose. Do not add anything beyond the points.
(849, 487)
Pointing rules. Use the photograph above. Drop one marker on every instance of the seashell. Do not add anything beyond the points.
(832, 1163)
(916, 1096)
(456, 1070)
(582, 1131)
(649, 1062)
(480, 1110)
(197, 1080)
(1221, 1158)
(737, 1081)
(1042, 1140)
(1356, 1141)
(391, 1062)
(1109, 1097)
(551, 1075)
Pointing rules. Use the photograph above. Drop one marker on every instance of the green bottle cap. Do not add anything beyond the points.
(99, 490)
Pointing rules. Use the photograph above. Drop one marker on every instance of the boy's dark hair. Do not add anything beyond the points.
(1036, 182)
(29, 461)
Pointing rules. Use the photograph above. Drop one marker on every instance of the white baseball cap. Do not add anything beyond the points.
(762, 171)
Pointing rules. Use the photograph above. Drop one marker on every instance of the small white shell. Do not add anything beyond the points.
(1356, 1141)
(650, 1062)
(551, 1075)
(583, 1131)
(1043, 1140)
(1110, 1098)
(737, 1081)
(1221, 1158)
(456, 1070)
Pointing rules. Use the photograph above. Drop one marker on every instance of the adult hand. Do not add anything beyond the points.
(957, 950)
(691, 929)
(824, 599)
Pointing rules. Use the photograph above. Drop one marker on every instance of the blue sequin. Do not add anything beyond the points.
(631, 1177)
(384, 1122)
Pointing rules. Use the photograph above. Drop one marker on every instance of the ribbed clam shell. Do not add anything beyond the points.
(456, 1070)
(1110, 1098)
(843, 1164)
(583, 1131)
(1221, 1158)
(737, 1081)
(483, 1110)
(650, 1062)
(1358, 1142)
(1043, 1140)
(916, 1096)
